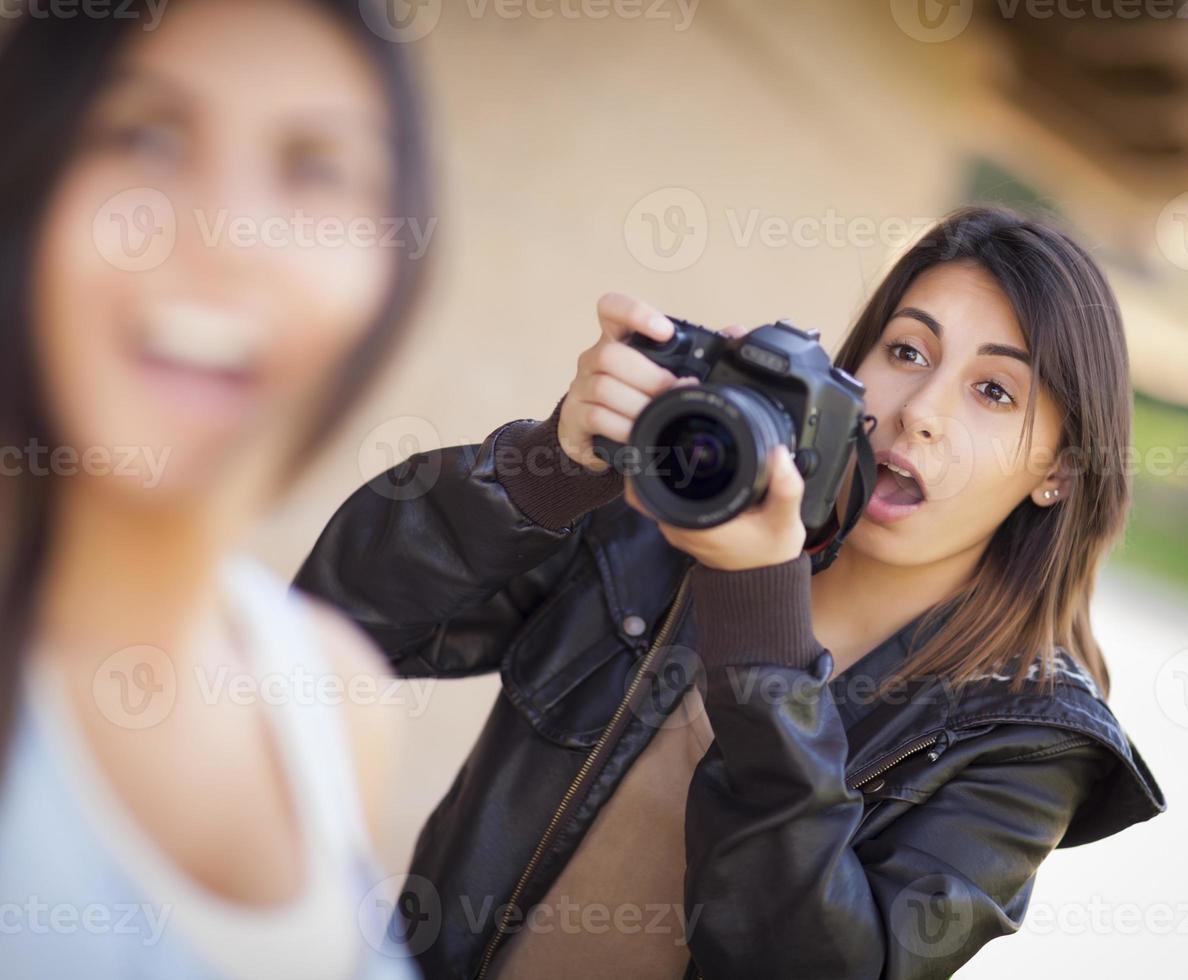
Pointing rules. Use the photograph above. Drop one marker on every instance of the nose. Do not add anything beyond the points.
(914, 418)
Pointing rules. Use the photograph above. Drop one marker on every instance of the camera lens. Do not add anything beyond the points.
(704, 452)
(705, 456)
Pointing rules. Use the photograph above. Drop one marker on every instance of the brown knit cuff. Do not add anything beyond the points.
(542, 481)
(755, 616)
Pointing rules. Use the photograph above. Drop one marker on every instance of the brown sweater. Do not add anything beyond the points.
(759, 615)
(617, 908)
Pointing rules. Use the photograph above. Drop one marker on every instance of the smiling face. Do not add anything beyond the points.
(195, 287)
(948, 381)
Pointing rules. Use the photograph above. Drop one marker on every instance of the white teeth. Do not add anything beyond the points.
(202, 337)
(898, 469)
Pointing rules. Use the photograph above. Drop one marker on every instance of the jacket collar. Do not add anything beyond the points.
(640, 574)
(1128, 793)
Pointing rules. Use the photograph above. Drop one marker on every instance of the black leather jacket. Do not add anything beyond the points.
(827, 835)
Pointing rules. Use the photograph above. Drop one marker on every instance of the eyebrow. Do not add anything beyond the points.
(989, 350)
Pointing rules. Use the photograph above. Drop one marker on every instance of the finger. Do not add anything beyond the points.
(785, 490)
(630, 366)
(602, 421)
(620, 315)
(734, 330)
(607, 390)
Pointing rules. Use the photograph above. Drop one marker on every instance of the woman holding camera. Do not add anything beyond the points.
(708, 761)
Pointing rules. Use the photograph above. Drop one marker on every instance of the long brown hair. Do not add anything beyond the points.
(1030, 592)
(50, 69)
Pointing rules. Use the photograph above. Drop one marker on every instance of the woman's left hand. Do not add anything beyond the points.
(768, 533)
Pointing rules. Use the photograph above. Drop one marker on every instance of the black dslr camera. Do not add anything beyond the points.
(698, 454)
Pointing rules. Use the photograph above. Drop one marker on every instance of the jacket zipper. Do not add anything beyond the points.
(610, 733)
(939, 741)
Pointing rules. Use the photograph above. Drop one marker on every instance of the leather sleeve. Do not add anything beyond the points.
(772, 874)
(777, 886)
(438, 560)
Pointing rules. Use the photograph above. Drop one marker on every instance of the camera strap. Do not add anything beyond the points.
(861, 487)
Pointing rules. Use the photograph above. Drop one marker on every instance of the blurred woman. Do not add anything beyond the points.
(184, 322)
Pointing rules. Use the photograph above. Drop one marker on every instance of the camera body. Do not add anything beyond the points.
(698, 454)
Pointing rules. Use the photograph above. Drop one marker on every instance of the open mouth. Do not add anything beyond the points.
(897, 486)
(199, 358)
(896, 495)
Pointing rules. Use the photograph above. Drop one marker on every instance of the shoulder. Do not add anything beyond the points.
(1068, 727)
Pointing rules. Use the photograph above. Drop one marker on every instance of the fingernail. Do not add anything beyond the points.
(662, 325)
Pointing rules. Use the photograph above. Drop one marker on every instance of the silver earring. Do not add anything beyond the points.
(1049, 494)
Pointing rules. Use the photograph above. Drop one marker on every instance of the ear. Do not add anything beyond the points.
(1055, 486)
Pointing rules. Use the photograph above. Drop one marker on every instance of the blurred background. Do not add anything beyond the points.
(741, 160)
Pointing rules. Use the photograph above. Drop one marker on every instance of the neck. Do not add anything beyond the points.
(859, 601)
(121, 574)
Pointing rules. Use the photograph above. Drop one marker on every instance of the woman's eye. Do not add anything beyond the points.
(909, 349)
(316, 169)
(151, 140)
(994, 392)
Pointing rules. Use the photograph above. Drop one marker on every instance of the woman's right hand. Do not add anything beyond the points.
(613, 381)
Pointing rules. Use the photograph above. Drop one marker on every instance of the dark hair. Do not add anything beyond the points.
(1031, 590)
(50, 69)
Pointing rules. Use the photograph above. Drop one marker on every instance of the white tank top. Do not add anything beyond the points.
(84, 892)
